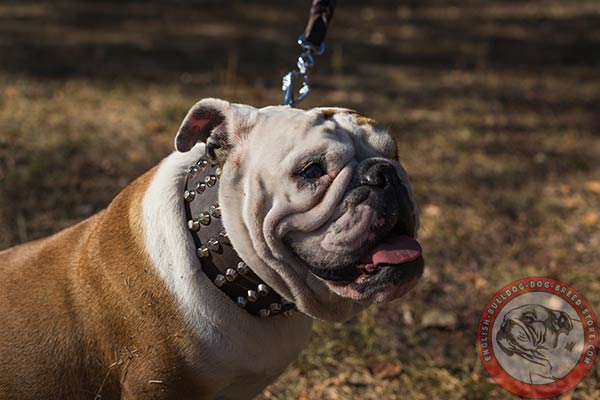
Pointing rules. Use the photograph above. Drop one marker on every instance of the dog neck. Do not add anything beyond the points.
(218, 259)
(241, 343)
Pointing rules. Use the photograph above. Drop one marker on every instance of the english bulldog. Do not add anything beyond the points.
(532, 332)
(119, 306)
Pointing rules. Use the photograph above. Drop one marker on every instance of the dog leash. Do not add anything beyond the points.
(312, 43)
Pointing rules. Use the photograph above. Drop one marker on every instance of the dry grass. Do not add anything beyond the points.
(495, 105)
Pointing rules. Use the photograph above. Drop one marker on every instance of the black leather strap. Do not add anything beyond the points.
(321, 14)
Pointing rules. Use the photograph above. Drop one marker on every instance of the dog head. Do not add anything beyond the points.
(314, 201)
(531, 328)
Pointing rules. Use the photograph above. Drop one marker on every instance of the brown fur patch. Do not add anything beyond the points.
(85, 315)
(362, 120)
(328, 112)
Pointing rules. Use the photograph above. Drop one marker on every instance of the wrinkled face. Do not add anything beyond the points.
(529, 328)
(317, 204)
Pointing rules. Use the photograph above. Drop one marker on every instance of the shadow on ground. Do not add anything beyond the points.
(494, 104)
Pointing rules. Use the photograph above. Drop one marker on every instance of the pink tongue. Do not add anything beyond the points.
(395, 250)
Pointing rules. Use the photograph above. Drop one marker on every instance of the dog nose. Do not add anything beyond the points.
(376, 173)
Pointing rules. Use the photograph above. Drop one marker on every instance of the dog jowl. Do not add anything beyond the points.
(314, 202)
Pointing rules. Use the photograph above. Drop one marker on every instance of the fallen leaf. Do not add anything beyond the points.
(10, 91)
(303, 395)
(431, 210)
(593, 186)
(570, 201)
(407, 317)
(391, 372)
(590, 219)
(436, 318)
(385, 370)
(480, 282)
(565, 189)
(340, 379)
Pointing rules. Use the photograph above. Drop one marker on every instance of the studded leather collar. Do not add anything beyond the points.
(219, 260)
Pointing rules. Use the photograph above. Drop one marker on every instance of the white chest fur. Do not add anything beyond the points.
(237, 351)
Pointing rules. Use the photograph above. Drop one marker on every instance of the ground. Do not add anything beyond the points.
(494, 104)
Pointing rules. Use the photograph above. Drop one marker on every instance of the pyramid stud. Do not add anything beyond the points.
(215, 211)
(189, 195)
(192, 170)
(263, 289)
(194, 225)
(224, 237)
(203, 252)
(204, 218)
(218, 172)
(199, 187)
(275, 307)
(220, 280)
(213, 245)
(264, 313)
(202, 164)
(241, 301)
(210, 180)
(242, 268)
(252, 296)
(231, 274)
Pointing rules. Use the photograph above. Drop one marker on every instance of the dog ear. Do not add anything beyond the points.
(201, 121)
(563, 321)
(219, 124)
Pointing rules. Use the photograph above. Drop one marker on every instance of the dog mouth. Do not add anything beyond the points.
(389, 269)
(396, 254)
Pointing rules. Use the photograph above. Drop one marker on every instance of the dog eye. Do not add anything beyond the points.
(527, 318)
(313, 170)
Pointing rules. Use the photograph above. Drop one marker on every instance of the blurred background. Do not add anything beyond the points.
(495, 105)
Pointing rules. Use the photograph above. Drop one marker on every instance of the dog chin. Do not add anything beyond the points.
(389, 270)
(387, 283)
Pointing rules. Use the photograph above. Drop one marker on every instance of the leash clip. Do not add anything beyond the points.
(312, 44)
(306, 60)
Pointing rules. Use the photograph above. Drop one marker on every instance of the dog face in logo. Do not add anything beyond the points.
(532, 332)
(314, 201)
